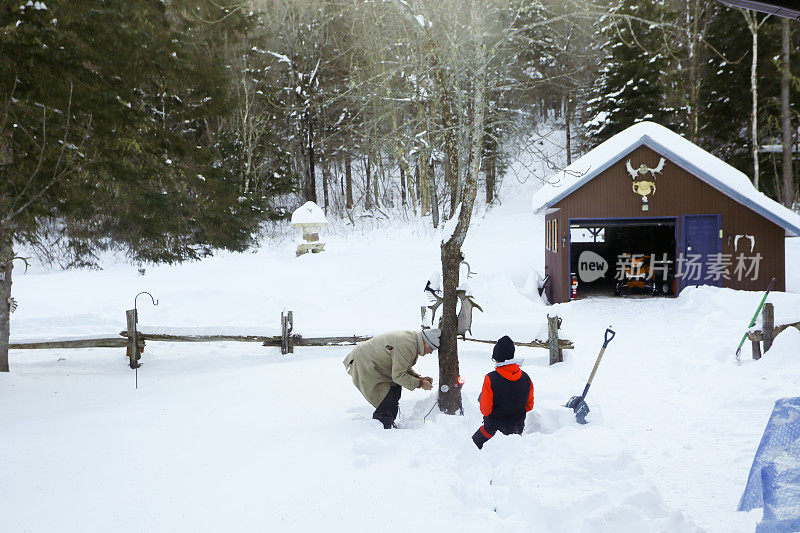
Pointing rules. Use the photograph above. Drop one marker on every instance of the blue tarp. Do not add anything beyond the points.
(774, 480)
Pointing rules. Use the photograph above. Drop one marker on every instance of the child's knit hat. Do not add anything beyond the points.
(503, 349)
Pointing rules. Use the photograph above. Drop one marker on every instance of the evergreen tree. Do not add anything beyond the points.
(769, 87)
(106, 134)
(630, 87)
(725, 93)
(725, 89)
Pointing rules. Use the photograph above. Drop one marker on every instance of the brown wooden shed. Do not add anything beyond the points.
(649, 211)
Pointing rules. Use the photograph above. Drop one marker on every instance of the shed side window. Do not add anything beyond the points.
(555, 235)
(547, 241)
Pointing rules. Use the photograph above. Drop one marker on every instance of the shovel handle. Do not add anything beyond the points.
(599, 357)
(608, 338)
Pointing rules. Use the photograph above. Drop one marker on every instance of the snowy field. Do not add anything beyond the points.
(236, 437)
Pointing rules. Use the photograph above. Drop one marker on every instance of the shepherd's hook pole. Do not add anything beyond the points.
(155, 302)
(135, 339)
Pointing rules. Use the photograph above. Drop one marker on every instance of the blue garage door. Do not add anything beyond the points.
(700, 241)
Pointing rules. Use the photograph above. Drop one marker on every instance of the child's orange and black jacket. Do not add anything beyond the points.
(506, 397)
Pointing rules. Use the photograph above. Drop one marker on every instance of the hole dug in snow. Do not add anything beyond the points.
(548, 420)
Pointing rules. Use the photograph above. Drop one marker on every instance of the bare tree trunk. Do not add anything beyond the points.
(423, 173)
(325, 177)
(311, 192)
(567, 119)
(403, 182)
(754, 110)
(449, 124)
(401, 161)
(407, 186)
(6, 265)
(491, 173)
(301, 161)
(693, 12)
(375, 181)
(450, 398)
(490, 164)
(751, 17)
(434, 195)
(417, 185)
(786, 117)
(367, 200)
(348, 173)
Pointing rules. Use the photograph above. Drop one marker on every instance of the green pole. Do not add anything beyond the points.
(753, 320)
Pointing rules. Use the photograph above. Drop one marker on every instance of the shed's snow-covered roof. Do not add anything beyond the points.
(309, 213)
(678, 150)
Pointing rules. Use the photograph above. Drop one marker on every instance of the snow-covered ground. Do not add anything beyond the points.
(236, 437)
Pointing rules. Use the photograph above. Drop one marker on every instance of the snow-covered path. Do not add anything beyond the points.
(245, 439)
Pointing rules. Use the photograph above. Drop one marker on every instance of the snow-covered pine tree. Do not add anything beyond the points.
(726, 94)
(725, 89)
(107, 120)
(630, 86)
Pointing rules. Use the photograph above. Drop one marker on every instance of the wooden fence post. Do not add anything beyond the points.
(756, 350)
(133, 343)
(287, 325)
(284, 341)
(289, 339)
(556, 355)
(768, 325)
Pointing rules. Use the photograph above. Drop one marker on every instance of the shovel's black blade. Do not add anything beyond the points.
(573, 402)
(581, 410)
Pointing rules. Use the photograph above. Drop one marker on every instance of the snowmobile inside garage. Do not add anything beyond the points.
(649, 212)
(623, 256)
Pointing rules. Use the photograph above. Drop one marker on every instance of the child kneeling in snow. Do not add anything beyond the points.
(506, 397)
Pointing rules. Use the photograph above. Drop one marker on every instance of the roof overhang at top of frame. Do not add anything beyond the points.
(789, 10)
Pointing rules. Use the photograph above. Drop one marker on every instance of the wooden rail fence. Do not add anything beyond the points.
(134, 341)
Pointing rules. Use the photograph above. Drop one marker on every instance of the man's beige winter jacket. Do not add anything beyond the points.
(381, 361)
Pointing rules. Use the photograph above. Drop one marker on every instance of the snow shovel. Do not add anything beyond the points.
(578, 403)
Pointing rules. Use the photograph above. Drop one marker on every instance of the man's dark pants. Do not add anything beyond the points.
(389, 406)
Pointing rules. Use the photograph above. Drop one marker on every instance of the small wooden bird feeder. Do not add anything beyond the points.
(309, 218)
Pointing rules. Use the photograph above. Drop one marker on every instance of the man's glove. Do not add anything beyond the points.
(425, 384)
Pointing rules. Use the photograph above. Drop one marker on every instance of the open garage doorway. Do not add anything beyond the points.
(620, 257)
